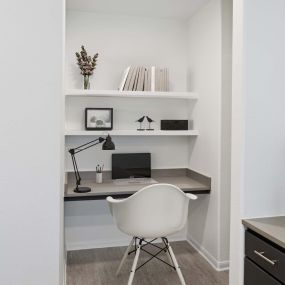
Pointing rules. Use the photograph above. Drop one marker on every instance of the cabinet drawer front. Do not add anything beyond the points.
(253, 274)
(268, 257)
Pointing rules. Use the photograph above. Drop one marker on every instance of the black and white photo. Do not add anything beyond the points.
(99, 118)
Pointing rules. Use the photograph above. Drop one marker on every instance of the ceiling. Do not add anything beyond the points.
(177, 9)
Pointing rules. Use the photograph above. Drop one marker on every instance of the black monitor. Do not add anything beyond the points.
(131, 165)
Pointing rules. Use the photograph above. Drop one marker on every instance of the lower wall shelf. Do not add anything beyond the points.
(188, 133)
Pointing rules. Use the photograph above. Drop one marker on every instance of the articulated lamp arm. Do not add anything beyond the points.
(108, 145)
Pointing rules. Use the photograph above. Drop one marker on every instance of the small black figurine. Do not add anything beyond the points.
(149, 122)
(140, 121)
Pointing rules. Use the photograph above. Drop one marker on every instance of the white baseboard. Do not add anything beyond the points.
(97, 244)
(217, 265)
(107, 243)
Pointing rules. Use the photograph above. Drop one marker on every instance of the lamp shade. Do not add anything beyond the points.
(108, 144)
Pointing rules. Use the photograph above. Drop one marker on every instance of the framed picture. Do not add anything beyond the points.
(98, 119)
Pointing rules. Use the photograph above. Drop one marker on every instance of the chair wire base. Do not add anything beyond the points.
(140, 244)
(144, 243)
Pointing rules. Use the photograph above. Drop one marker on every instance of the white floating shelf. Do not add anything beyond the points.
(131, 94)
(131, 133)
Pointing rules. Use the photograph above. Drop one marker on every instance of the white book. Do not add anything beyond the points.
(129, 76)
(137, 86)
(152, 79)
(136, 79)
(132, 80)
(156, 79)
(167, 79)
(161, 80)
(164, 79)
(124, 78)
(146, 80)
(159, 72)
(141, 79)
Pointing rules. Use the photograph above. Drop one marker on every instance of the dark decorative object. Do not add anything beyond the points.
(107, 145)
(140, 121)
(87, 64)
(150, 120)
(98, 119)
(174, 125)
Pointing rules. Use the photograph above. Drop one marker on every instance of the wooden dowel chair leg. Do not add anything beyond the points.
(181, 278)
(132, 275)
(125, 256)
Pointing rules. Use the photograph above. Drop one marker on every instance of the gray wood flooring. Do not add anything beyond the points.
(98, 267)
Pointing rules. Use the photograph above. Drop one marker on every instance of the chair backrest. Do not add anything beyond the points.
(154, 211)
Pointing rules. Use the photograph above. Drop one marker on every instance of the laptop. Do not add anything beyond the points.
(131, 168)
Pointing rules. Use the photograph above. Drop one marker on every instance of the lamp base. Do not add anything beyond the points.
(82, 189)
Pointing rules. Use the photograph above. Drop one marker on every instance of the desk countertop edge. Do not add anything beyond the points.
(203, 188)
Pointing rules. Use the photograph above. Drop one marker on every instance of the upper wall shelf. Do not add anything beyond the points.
(131, 94)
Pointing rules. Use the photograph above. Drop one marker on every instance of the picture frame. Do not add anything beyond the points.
(99, 119)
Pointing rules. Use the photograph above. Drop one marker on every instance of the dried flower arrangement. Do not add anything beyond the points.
(87, 64)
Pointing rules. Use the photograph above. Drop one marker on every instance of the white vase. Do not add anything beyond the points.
(99, 177)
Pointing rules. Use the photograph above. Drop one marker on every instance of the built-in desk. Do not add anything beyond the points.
(188, 180)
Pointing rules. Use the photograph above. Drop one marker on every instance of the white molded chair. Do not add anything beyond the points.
(156, 211)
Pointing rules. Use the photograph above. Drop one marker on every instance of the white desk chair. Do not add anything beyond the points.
(156, 211)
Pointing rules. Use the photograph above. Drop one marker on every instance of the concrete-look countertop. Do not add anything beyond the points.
(188, 180)
(272, 228)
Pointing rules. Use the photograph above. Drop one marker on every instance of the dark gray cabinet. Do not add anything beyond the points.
(255, 275)
(264, 262)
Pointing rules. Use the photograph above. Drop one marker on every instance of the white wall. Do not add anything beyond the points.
(237, 147)
(88, 224)
(225, 195)
(258, 96)
(264, 89)
(31, 131)
(209, 61)
(122, 41)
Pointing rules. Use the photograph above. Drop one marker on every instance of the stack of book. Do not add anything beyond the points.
(139, 78)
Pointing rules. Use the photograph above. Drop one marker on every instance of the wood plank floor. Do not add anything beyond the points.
(98, 267)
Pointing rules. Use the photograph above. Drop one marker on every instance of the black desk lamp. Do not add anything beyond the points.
(107, 145)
